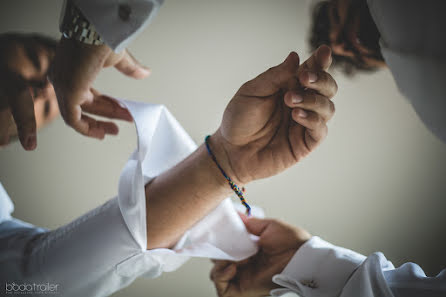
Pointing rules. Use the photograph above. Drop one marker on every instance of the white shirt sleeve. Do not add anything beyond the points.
(106, 249)
(118, 22)
(320, 269)
(413, 45)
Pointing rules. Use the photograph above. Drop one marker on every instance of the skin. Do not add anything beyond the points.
(278, 241)
(263, 132)
(74, 71)
(28, 100)
(344, 33)
(34, 88)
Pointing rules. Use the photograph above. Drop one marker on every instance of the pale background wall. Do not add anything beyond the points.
(377, 183)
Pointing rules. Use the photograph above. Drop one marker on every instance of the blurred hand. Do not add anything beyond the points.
(27, 99)
(73, 72)
(278, 118)
(278, 242)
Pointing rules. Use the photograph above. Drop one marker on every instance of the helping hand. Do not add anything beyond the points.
(278, 242)
(278, 118)
(74, 70)
(27, 99)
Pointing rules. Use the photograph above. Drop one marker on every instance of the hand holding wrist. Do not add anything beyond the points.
(278, 242)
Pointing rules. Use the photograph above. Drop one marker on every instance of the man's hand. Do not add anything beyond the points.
(278, 118)
(73, 72)
(278, 242)
(27, 99)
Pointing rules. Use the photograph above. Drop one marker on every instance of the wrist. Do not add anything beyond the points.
(210, 173)
(221, 150)
(231, 156)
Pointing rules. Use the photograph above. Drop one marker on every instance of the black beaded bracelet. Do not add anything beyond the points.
(233, 186)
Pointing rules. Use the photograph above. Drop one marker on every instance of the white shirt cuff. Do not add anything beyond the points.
(318, 269)
(162, 143)
(117, 33)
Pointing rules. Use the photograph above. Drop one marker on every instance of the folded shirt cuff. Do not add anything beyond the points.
(162, 143)
(317, 269)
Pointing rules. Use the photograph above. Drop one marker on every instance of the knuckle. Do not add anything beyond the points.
(279, 222)
(271, 69)
(333, 86)
(318, 101)
(332, 108)
(69, 119)
(324, 132)
(317, 121)
(310, 98)
(320, 121)
(276, 222)
(246, 85)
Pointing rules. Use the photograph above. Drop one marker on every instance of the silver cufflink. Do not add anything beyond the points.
(124, 12)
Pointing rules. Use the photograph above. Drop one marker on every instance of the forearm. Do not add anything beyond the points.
(181, 196)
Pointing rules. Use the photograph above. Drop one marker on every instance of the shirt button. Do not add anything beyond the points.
(124, 12)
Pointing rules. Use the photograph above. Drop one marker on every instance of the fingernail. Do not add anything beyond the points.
(31, 142)
(302, 113)
(312, 77)
(145, 70)
(295, 99)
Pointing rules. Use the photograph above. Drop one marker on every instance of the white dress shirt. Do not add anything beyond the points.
(413, 43)
(106, 249)
(320, 269)
(118, 22)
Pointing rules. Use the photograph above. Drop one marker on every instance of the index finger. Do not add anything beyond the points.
(321, 82)
(91, 127)
(105, 106)
(273, 80)
(320, 60)
(22, 109)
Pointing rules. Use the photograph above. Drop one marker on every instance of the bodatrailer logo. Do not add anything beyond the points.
(31, 288)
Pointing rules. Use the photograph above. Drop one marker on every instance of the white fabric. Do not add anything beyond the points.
(320, 269)
(6, 205)
(104, 16)
(413, 43)
(105, 249)
(310, 265)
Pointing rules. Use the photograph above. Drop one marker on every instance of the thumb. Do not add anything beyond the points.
(319, 60)
(22, 109)
(274, 79)
(256, 226)
(129, 66)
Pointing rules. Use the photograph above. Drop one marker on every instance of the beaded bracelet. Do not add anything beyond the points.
(233, 186)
